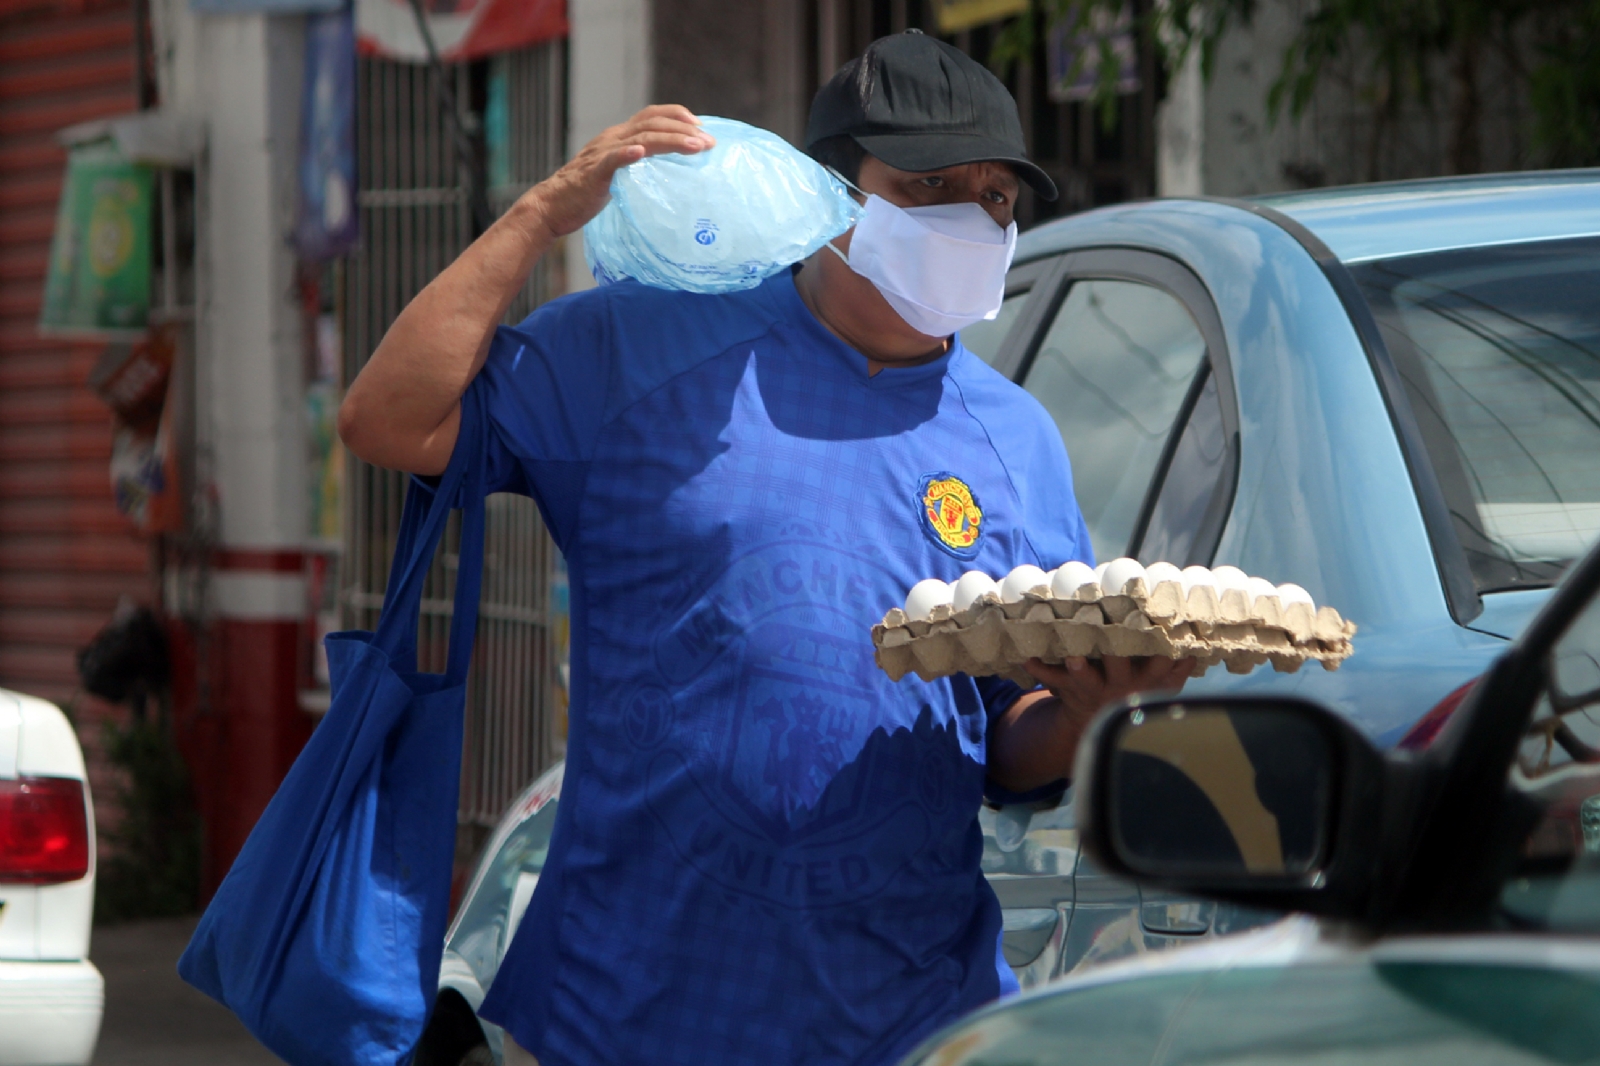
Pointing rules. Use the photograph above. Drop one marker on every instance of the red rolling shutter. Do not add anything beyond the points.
(66, 555)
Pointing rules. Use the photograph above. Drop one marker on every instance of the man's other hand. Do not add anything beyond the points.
(1084, 686)
(574, 194)
(1034, 742)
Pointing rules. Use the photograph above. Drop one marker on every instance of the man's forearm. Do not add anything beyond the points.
(1034, 742)
(404, 409)
(401, 410)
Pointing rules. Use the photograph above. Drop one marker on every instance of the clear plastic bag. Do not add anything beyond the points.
(718, 221)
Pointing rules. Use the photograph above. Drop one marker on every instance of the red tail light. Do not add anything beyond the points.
(1428, 726)
(44, 830)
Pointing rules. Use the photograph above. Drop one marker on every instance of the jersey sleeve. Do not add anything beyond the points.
(544, 384)
(1030, 448)
(1039, 467)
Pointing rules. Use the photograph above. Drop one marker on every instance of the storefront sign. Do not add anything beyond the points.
(461, 29)
(98, 280)
(327, 224)
(953, 16)
(1075, 58)
(266, 7)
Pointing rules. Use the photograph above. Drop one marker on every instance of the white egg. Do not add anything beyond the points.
(1025, 577)
(925, 596)
(1256, 587)
(1196, 575)
(1294, 594)
(1230, 577)
(1069, 578)
(1156, 573)
(1118, 573)
(971, 587)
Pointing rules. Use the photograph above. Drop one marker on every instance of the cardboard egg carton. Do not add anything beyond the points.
(992, 638)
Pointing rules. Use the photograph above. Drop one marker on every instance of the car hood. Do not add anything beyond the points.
(1281, 992)
(1301, 940)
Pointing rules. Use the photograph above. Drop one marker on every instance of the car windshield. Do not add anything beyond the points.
(1499, 349)
(1557, 775)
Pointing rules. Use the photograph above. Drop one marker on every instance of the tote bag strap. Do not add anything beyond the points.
(422, 526)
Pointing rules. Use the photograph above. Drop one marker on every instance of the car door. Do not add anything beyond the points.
(1125, 350)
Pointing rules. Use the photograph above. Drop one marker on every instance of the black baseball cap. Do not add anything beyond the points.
(919, 104)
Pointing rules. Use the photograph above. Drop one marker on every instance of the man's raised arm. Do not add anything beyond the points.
(404, 409)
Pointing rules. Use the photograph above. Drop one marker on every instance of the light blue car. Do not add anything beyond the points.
(1389, 395)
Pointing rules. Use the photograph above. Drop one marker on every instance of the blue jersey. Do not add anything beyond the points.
(766, 851)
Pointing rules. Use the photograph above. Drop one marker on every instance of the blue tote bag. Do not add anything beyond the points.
(326, 935)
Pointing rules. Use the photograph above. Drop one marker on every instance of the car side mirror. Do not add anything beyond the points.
(1268, 802)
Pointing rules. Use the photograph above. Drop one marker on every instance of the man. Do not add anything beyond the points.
(766, 851)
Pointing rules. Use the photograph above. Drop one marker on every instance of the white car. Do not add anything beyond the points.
(51, 995)
(490, 911)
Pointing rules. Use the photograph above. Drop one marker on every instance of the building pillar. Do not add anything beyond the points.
(241, 76)
(1180, 133)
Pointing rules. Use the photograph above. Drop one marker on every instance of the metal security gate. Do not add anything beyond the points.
(415, 219)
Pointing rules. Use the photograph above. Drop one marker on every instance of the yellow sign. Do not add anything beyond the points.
(952, 512)
(953, 16)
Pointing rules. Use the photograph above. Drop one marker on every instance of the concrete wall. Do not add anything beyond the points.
(610, 76)
(1220, 132)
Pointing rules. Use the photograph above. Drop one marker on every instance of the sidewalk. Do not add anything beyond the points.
(152, 1018)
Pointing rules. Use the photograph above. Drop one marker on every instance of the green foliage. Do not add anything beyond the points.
(154, 867)
(1177, 28)
(1407, 49)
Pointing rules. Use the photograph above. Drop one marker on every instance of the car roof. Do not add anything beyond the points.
(1380, 221)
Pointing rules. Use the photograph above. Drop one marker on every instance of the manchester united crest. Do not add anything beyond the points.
(951, 514)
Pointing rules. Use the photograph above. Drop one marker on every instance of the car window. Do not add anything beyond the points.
(986, 339)
(1558, 770)
(1193, 490)
(1113, 371)
(1499, 349)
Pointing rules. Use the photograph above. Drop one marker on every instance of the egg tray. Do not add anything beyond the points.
(992, 638)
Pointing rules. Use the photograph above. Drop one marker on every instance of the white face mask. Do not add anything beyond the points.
(941, 268)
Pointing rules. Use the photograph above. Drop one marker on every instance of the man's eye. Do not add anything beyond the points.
(933, 182)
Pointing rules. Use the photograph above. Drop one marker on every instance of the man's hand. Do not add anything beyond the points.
(1035, 741)
(574, 194)
(1084, 686)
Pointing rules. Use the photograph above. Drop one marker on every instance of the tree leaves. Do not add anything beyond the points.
(1422, 51)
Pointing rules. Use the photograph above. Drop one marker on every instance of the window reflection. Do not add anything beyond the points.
(1113, 371)
(986, 339)
(1558, 769)
(1193, 480)
(1500, 351)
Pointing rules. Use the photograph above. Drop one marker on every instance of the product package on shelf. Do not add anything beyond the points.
(979, 627)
